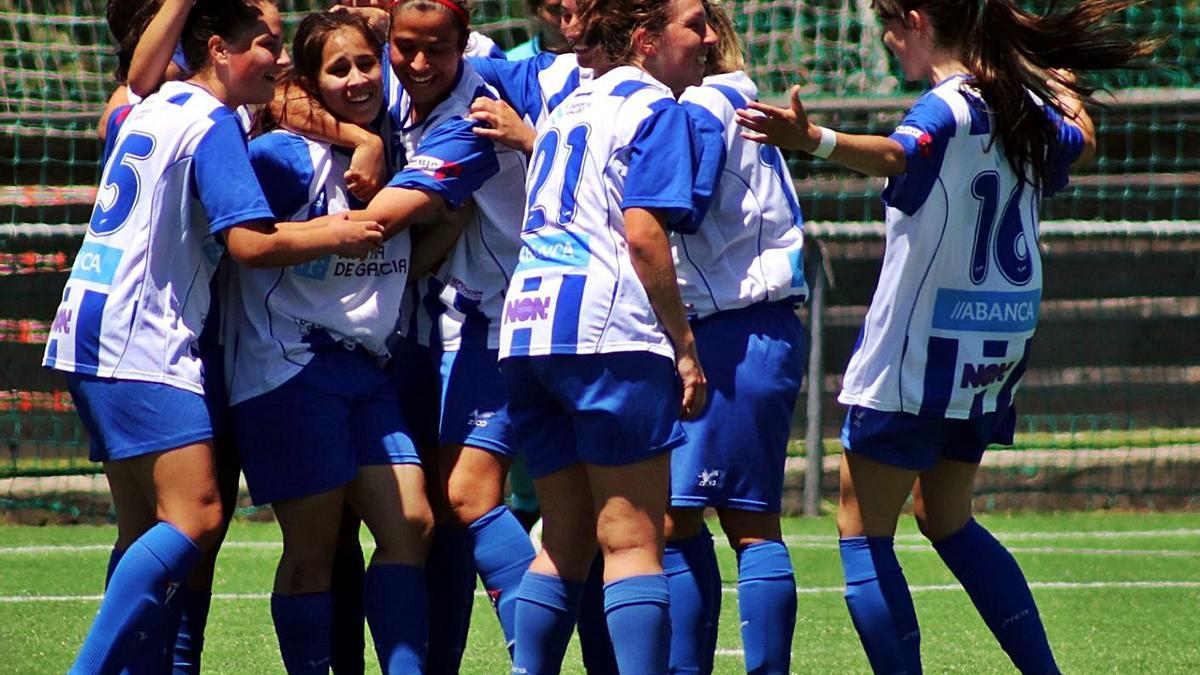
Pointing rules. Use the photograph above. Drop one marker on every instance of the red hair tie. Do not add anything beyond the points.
(448, 4)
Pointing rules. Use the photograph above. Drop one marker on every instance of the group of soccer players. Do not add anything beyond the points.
(428, 261)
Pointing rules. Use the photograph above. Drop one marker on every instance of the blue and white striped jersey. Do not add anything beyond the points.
(461, 305)
(948, 330)
(620, 141)
(288, 311)
(750, 246)
(139, 290)
(536, 85)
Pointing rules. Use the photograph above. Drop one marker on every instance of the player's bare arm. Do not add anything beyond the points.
(791, 129)
(650, 253)
(261, 244)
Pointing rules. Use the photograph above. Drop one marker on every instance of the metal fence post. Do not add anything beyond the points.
(814, 451)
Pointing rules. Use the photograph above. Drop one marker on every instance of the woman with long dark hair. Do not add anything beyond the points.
(946, 339)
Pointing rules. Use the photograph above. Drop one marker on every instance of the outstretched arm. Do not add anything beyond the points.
(398, 208)
(790, 128)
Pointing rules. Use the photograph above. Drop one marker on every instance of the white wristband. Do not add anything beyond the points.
(827, 144)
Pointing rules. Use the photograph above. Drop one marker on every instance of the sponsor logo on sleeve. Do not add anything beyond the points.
(437, 167)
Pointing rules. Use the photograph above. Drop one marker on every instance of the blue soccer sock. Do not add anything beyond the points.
(695, 583)
(450, 575)
(639, 621)
(346, 590)
(880, 604)
(303, 626)
(189, 640)
(767, 603)
(594, 642)
(147, 572)
(502, 554)
(546, 610)
(998, 588)
(397, 603)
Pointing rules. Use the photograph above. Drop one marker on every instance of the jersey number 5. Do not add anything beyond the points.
(543, 159)
(121, 184)
(1005, 242)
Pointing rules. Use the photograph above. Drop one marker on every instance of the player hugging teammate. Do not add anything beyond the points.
(423, 265)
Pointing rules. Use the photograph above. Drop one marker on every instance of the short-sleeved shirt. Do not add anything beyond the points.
(289, 312)
(442, 156)
(949, 327)
(534, 86)
(619, 142)
(138, 293)
(750, 246)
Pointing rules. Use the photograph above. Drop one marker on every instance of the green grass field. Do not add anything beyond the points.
(1118, 592)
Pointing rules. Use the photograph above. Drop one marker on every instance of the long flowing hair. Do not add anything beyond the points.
(1012, 53)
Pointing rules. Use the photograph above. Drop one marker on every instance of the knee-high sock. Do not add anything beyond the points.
(502, 554)
(148, 572)
(594, 642)
(767, 603)
(450, 576)
(880, 604)
(397, 603)
(695, 584)
(346, 589)
(996, 585)
(546, 610)
(302, 624)
(189, 641)
(639, 621)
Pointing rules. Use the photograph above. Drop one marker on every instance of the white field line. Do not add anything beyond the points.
(803, 541)
(726, 590)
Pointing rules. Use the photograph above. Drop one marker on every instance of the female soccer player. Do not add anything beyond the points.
(315, 416)
(947, 335)
(127, 327)
(740, 275)
(593, 319)
(444, 165)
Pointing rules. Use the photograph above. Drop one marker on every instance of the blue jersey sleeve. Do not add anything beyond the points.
(224, 180)
(1063, 154)
(284, 169)
(708, 133)
(451, 162)
(924, 135)
(663, 160)
(516, 81)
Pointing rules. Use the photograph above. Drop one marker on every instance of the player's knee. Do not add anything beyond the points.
(304, 569)
(936, 527)
(467, 506)
(201, 518)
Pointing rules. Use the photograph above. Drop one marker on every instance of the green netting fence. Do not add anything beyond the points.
(1111, 404)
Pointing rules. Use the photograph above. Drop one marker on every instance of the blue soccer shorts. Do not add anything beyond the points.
(607, 409)
(754, 360)
(311, 433)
